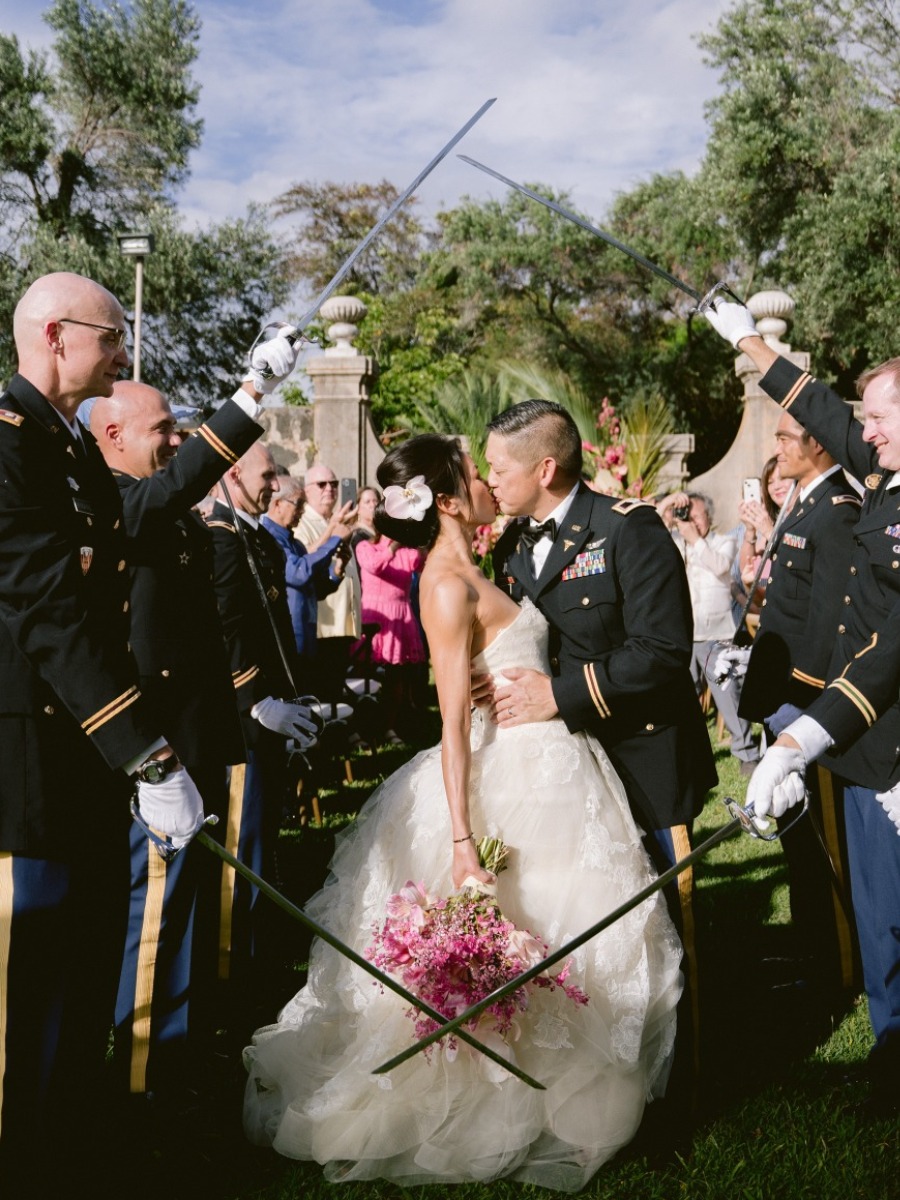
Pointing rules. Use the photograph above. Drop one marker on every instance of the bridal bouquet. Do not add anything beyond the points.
(453, 951)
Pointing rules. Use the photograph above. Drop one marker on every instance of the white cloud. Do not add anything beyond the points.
(592, 95)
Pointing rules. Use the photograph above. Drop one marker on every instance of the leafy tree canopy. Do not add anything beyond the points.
(95, 139)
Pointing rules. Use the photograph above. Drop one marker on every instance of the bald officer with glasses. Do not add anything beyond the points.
(73, 729)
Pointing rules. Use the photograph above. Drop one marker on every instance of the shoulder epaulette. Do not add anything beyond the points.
(11, 418)
(624, 507)
(221, 525)
(852, 499)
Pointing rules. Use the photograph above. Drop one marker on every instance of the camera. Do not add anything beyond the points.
(683, 512)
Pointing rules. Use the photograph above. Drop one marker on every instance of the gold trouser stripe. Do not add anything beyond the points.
(232, 837)
(146, 969)
(92, 724)
(681, 847)
(801, 383)
(6, 911)
(855, 696)
(833, 842)
(804, 678)
(217, 444)
(594, 690)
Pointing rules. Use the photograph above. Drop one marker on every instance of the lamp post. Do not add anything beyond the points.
(137, 246)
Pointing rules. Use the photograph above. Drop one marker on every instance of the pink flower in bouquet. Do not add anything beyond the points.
(461, 952)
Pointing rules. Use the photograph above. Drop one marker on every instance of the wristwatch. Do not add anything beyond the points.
(155, 770)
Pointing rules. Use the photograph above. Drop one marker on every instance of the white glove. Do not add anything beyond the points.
(276, 356)
(731, 663)
(731, 321)
(778, 782)
(890, 802)
(286, 717)
(172, 807)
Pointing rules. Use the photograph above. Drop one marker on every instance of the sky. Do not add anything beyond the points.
(593, 96)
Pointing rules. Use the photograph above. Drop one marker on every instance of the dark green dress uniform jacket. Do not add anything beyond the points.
(176, 632)
(803, 601)
(70, 706)
(616, 596)
(860, 706)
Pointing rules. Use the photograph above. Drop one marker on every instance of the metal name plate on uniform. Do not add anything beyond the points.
(591, 562)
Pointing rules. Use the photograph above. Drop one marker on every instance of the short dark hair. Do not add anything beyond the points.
(440, 459)
(541, 429)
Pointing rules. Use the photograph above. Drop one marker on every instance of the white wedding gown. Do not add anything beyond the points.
(554, 798)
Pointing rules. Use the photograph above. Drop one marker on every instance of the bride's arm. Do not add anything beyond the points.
(448, 615)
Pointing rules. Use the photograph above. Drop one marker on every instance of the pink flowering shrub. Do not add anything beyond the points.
(453, 952)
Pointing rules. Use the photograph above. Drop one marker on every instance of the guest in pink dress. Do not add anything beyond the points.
(386, 571)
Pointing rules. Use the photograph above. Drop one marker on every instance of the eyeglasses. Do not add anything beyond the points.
(117, 336)
(325, 483)
(295, 503)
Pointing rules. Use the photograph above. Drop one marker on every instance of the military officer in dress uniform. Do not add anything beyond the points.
(857, 716)
(264, 669)
(611, 583)
(184, 676)
(73, 724)
(786, 673)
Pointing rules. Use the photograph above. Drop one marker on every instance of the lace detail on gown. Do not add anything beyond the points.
(575, 855)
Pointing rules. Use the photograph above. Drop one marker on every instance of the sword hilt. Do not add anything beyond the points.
(291, 337)
(719, 289)
(757, 826)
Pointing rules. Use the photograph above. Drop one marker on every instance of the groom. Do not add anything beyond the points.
(611, 583)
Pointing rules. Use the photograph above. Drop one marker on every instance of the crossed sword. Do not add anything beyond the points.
(742, 818)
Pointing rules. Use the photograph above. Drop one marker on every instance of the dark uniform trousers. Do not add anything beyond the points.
(165, 1014)
(249, 960)
(71, 716)
(615, 594)
(788, 666)
(859, 706)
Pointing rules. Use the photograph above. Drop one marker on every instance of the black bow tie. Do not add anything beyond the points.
(532, 534)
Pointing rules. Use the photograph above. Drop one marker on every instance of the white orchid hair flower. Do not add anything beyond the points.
(409, 502)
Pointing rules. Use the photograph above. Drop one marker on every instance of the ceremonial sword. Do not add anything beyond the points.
(703, 301)
(348, 262)
(742, 818)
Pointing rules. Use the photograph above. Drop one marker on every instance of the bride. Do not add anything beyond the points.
(576, 854)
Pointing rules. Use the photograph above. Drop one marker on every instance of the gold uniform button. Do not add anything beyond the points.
(846, 599)
(90, 520)
(842, 628)
(165, 673)
(49, 710)
(895, 564)
(790, 562)
(121, 566)
(650, 727)
(126, 606)
(763, 605)
(853, 571)
(585, 600)
(116, 526)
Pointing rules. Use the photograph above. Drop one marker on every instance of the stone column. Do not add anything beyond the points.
(755, 440)
(344, 438)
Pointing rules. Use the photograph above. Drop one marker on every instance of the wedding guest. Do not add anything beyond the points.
(366, 503)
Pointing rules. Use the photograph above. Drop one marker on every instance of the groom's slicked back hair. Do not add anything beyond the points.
(541, 429)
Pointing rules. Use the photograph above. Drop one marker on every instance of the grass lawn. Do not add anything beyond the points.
(776, 1118)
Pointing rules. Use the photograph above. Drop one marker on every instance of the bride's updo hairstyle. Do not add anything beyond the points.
(440, 461)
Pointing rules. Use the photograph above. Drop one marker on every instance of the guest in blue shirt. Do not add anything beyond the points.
(309, 576)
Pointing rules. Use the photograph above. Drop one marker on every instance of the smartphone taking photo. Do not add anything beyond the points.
(752, 490)
(348, 492)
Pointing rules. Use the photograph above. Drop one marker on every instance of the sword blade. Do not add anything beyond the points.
(346, 266)
(610, 919)
(600, 233)
(363, 963)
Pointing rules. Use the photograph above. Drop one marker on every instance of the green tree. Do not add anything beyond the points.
(95, 140)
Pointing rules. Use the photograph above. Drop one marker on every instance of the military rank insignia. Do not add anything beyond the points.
(872, 481)
(591, 562)
(792, 539)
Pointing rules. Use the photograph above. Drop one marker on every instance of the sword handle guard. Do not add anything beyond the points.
(292, 337)
(719, 289)
(757, 826)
